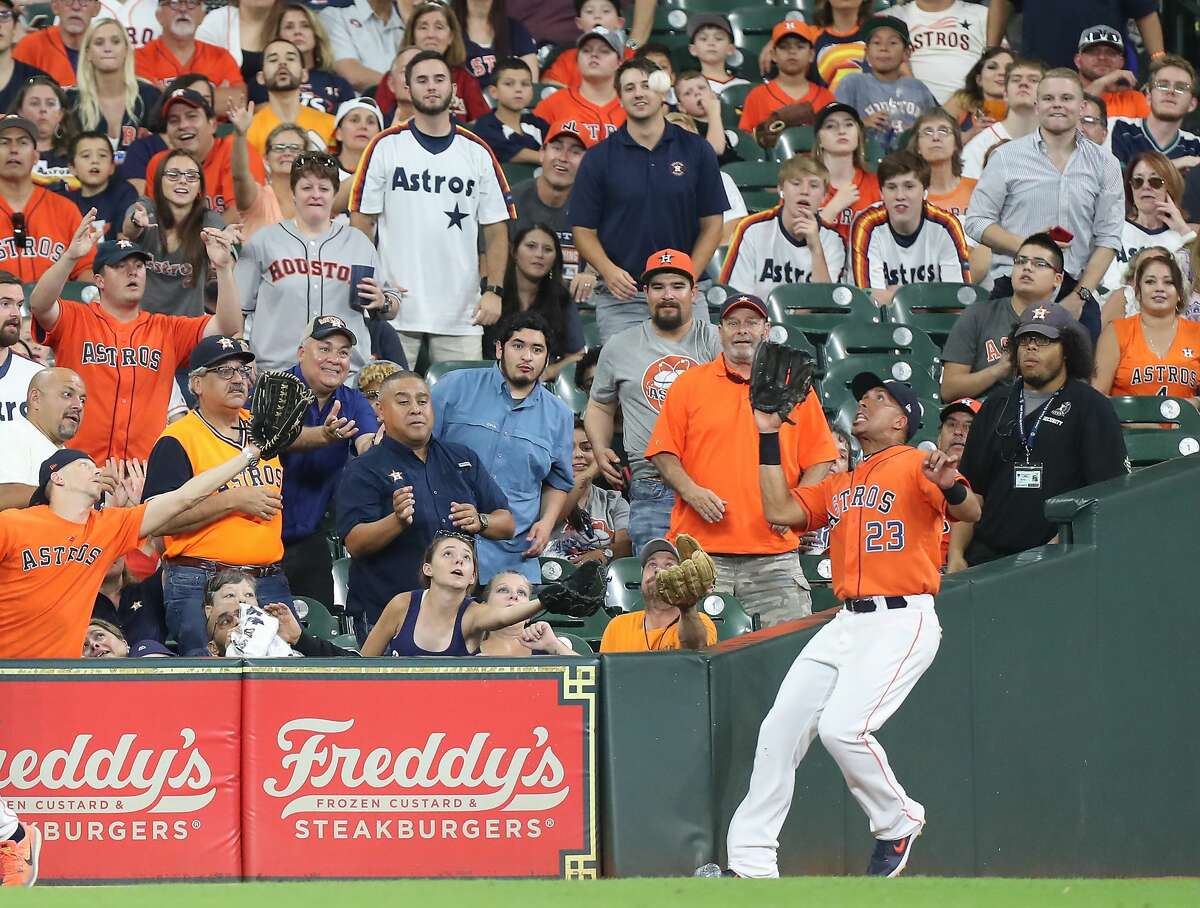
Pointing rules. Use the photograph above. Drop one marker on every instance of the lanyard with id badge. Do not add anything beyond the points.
(1028, 475)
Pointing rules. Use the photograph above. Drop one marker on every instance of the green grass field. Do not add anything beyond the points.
(914, 892)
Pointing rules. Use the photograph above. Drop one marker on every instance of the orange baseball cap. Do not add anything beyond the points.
(565, 128)
(962, 405)
(669, 260)
(796, 27)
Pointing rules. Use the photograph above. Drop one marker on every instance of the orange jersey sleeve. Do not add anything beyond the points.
(50, 573)
(628, 634)
(45, 50)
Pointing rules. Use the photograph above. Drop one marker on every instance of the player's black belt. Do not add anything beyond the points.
(869, 605)
(254, 570)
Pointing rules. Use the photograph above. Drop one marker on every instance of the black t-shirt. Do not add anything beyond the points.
(1078, 442)
(22, 73)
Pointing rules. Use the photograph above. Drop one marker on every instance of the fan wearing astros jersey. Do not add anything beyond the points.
(885, 518)
(126, 357)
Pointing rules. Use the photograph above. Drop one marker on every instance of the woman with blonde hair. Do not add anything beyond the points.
(107, 96)
(323, 89)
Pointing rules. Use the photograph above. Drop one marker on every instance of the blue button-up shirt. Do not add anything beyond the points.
(450, 472)
(641, 200)
(523, 443)
(309, 477)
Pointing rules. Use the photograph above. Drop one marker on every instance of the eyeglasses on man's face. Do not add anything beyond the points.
(226, 373)
(1034, 262)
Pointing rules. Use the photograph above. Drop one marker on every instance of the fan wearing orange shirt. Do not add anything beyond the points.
(792, 41)
(564, 71)
(704, 447)
(592, 109)
(55, 553)
(176, 51)
(885, 519)
(1156, 351)
(841, 147)
(49, 49)
(1101, 65)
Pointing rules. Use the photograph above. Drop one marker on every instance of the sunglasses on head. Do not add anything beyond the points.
(320, 158)
(1154, 182)
(454, 534)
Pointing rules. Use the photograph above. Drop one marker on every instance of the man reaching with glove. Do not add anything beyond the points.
(673, 581)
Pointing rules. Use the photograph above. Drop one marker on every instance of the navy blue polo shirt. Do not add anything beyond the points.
(309, 477)
(642, 200)
(450, 472)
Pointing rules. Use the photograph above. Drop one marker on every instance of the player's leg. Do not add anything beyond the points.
(783, 740)
(20, 848)
(889, 652)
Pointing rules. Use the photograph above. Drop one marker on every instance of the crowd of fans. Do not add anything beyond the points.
(321, 187)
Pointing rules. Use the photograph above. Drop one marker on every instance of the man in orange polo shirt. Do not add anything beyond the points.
(177, 51)
(703, 447)
(55, 50)
(191, 127)
(593, 107)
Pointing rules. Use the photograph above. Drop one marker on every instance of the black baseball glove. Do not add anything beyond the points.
(579, 596)
(277, 411)
(780, 379)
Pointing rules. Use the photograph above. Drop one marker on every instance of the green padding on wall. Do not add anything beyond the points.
(656, 789)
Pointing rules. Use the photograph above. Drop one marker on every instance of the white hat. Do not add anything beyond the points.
(357, 104)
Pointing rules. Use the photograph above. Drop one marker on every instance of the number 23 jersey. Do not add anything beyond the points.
(885, 521)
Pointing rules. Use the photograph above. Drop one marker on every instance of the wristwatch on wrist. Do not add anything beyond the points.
(485, 287)
(1085, 294)
(251, 454)
(484, 520)
(608, 553)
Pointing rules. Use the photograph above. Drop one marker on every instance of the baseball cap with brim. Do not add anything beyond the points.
(190, 97)
(1049, 320)
(113, 252)
(323, 326)
(565, 128)
(793, 28)
(962, 405)
(744, 301)
(613, 37)
(51, 465)
(700, 20)
(144, 648)
(875, 23)
(901, 393)
(671, 260)
(217, 349)
(830, 109)
(1100, 34)
(654, 546)
(347, 107)
(12, 121)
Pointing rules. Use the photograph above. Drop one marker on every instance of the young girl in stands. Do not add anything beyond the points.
(839, 50)
(323, 89)
(506, 590)
(490, 35)
(44, 103)
(841, 147)
(980, 102)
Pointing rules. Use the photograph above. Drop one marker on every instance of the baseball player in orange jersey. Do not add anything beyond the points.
(126, 357)
(885, 519)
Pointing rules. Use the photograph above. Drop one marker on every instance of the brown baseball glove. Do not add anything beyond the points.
(681, 585)
(799, 114)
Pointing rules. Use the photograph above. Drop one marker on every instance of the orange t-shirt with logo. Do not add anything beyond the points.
(581, 115)
(155, 63)
(44, 49)
(706, 422)
(868, 195)
(50, 222)
(128, 369)
(956, 201)
(885, 520)
(218, 176)
(51, 570)
(628, 634)
(1142, 372)
(764, 100)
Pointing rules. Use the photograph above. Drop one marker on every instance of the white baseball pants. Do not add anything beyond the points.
(843, 686)
(8, 822)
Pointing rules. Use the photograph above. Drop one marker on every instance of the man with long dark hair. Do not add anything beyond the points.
(1051, 433)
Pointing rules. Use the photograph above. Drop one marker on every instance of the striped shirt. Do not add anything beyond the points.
(1022, 191)
(881, 258)
(763, 255)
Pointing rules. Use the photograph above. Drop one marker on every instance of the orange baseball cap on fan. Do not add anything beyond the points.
(567, 128)
(669, 260)
(796, 27)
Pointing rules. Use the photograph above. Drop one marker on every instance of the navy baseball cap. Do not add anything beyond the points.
(836, 107)
(191, 98)
(145, 648)
(51, 465)
(113, 252)
(744, 301)
(217, 349)
(873, 24)
(901, 393)
(654, 546)
(1047, 320)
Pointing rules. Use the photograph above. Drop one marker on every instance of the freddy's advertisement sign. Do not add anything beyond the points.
(413, 771)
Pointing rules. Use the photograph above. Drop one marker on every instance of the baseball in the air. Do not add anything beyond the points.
(660, 82)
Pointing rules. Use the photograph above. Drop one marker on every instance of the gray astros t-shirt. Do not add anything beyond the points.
(980, 336)
(637, 367)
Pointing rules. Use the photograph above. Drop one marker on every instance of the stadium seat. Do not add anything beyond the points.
(744, 61)
(745, 145)
(732, 99)
(852, 337)
(692, 7)
(1157, 428)
(760, 199)
(72, 290)
(823, 598)
(553, 569)
(757, 20)
(518, 173)
(541, 90)
(320, 623)
(874, 154)
(728, 614)
(581, 646)
(818, 308)
(341, 581)
(791, 336)
(437, 370)
(817, 568)
(753, 174)
(591, 331)
(934, 308)
(794, 141)
(568, 392)
(668, 19)
(713, 269)
(838, 375)
(590, 629)
(624, 585)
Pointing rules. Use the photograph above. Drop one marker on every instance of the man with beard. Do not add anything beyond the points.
(55, 50)
(1052, 433)
(652, 185)
(16, 372)
(635, 371)
(283, 73)
(55, 409)
(393, 499)
(524, 435)
(1170, 85)
(430, 187)
(704, 446)
(1101, 66)
(176, 51)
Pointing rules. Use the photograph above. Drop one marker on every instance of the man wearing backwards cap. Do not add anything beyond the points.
(703, 445)
(1051, 433)
(659, 626)
(241, 526)
(636, 370)
(886, 523)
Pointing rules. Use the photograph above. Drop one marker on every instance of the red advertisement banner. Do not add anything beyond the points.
(130, 773)
(419, 771)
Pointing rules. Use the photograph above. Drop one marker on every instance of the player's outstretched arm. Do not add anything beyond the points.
(43, 299)
(962, 504)
(779, 507)
(161, 509)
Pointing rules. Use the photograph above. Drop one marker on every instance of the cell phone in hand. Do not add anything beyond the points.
(1061, 235)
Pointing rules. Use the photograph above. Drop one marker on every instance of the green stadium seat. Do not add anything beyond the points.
(745, 145)
(1157, 429)
(581, 646)
(753, 174)
(669, 19)
(590, 629)
(518, 173)
(816, 309)
(839, 373)
(591, 331)
(791, 336)
(760, 199)
(568, 392)
(729, 615)
(853, 337)
(716, 295)
(708, 6)
(542, 90)
(624, 584)
(874, 154)
(437, 370)
(794, 141)
(341, 581)
(744, 61)
(72, 290)
(554, 569)
(732, 99)
(320, 623)
(817, 569)
(934, 308)
(713, 268)
(757, 20)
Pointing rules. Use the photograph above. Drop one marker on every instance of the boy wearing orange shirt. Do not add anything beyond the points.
(594, 106)
(793, 44)
(589, 14)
